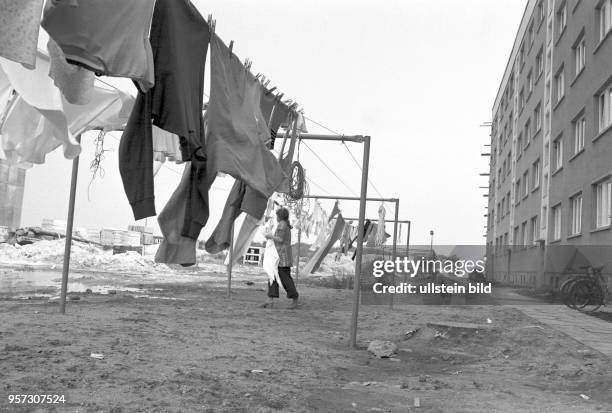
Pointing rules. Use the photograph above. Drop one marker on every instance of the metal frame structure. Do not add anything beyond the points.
(358, 258)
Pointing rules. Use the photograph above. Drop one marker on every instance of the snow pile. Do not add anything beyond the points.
(83, 256)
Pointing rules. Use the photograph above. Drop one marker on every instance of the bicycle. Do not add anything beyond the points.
(586, 292)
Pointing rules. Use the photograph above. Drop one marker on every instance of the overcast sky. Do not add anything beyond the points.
(417, 76)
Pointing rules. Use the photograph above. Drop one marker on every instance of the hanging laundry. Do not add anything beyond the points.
(241, 198)
(286, 159)
(247, 232)
(271, 257)
(322, 230)
(196, 203)
(108, 37)
(345, 238)
(237, 131)
(31, 134)
(373, 235)
(166, 146)
(368, 227)
(266, 103)
(334, 212)
(76, 83)
(38, 90)
(19, 27)
(317, 258)
(279, 115)
(380, 229)
(175, 248)
(179, 40)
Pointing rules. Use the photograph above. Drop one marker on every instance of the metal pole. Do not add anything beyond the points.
(394, 245)
(299, 245)
(336, 138)
(230, 263)
(362, 207)
(349, 198)
(68, 239)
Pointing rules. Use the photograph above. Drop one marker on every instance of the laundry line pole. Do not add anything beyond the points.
(394, 247)
(69, 225)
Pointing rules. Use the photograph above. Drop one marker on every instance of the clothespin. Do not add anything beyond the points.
(258, 76)
(231, 46)
(279, 97)
(211, 25)
(271, 90)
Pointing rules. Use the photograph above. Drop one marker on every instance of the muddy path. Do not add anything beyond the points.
(188, 348)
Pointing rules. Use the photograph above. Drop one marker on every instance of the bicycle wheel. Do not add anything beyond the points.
(565, 292)
(586, 295)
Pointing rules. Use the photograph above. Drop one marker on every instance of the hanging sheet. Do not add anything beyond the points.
(19, 27)
(237, 131)
(318, 257)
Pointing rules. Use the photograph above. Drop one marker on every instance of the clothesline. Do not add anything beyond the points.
(350, 153)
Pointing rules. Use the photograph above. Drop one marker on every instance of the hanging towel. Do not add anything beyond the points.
(19, 27)
(237, 131)
(179, 40)
(317, 258)
(108, 37)
(245, 236)
(166, 146)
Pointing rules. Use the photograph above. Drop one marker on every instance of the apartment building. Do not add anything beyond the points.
(550, 185)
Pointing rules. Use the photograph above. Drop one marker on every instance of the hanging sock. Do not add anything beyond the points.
(19, 27)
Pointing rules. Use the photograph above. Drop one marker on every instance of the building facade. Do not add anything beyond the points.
(550, 186)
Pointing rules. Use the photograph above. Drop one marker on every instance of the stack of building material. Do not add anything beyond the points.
(54, 225)
(93, 235)
(4, 234)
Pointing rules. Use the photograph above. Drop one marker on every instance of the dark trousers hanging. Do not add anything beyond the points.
(284, 274)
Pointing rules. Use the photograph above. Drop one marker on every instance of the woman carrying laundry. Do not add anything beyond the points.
(282, 242)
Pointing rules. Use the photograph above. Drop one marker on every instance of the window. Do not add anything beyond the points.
(534, 230)
(517, 191)
(537, 114)
(535, 174)
(522, 56)
(503, 206)
(541, 14)
(519, 145)
(509, 163)
(562, 18)
(547, 122)
(527, 131)
(556, 222)
(579, 132)
(546, 151)
(580, 56)
(604, 109)
(526, 183)
(539, 63)
(516, 235)
(530, 36)
(605, 14)
(508, 202)
(521, 100)
(544, 210)
(524, 233)
(558, 153)
(529, 83)
(548, 91)
(576, 214)
(602, 203)
(560, 84)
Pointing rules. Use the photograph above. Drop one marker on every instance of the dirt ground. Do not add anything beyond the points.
(191, 349)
